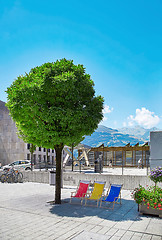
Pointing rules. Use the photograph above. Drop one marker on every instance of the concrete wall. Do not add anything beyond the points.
(129, 181)
(155, 149)
(11, 147)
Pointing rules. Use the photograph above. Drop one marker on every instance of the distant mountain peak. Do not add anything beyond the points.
(138, 131)
(111, 137)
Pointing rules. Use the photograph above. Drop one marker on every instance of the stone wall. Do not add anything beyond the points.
(72, 178)
(11, 147)
(155, 149)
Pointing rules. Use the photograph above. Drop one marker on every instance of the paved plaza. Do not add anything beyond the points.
(115, 171)
(25, 214)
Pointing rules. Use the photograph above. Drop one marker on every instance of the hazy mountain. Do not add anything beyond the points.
(137, 131)
(110, 137)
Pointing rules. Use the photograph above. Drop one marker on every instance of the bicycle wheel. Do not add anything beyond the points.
(9, 178)
(19, 177)
(3, 178)
(14, 178)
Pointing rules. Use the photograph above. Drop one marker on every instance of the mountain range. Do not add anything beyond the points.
(140, 132)
(118, 137)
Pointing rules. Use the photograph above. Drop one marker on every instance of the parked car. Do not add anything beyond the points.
(20, 165)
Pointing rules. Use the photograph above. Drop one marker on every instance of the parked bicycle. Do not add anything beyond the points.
(12, 176)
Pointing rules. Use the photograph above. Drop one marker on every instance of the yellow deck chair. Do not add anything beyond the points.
(96, 193)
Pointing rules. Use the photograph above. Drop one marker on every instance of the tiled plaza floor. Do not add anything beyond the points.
(25, 214)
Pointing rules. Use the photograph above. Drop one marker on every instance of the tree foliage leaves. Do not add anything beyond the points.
(55, 104)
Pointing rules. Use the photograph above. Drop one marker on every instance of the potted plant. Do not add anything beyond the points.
(150, 199)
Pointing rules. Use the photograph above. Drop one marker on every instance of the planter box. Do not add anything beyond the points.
(144, 210)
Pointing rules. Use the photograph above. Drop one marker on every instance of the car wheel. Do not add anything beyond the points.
(28, 168)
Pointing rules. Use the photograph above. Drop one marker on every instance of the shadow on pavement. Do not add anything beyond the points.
(126, 211)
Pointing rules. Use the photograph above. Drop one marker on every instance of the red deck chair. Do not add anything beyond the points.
(81, 191)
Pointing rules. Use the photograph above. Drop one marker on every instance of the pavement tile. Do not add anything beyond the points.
(107, 223)
(29, 217)
(89, 236)
(140, 225)
(134, 237)
(88, 227)
(146, 237)
(120, 233)
(156, 237)
(103, 230)
(112, 231)
(127, 235)
(123, 225)
(115, 238)
(96, 229)
(68, 234)
(154, 229)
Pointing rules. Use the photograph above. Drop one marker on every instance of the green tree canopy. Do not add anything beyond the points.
(55, 105)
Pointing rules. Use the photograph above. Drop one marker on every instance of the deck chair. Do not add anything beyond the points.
(96, 193)
(112, 196)
(81, 191)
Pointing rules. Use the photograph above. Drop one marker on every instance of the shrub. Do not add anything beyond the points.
(151, 197)
(156, 174)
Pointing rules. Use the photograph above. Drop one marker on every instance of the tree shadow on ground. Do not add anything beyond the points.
(127, 211)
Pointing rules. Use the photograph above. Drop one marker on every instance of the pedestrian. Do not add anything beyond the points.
(139, 163)
(110, 163)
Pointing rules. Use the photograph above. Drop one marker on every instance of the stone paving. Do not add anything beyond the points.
(26, 215)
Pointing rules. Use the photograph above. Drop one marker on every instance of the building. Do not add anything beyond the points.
(13, 148)
(155, 149)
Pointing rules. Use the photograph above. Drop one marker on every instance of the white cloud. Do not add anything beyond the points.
(144, 118)
(104, 119)
(107, 109)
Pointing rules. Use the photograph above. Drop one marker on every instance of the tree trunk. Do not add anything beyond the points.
(58, 149)
(32, 161)
(32, 149)
(46, 163)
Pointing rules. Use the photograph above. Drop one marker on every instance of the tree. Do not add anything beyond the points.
(55, 105)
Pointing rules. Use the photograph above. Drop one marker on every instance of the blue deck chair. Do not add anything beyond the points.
(113, 196)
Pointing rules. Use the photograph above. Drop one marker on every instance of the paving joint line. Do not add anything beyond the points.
(144, 233)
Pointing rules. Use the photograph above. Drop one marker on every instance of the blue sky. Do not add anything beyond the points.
(119, 43)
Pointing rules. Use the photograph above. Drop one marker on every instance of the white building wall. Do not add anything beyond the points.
(155, 149)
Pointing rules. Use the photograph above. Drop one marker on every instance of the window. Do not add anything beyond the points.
(52, 151)
(14, 163)
(21, 162)
(48, 150)
(28, 156)
(44, 149)
(39, 158)
(52, 160)
(39, 148)
(48, 159)
(28, 145)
